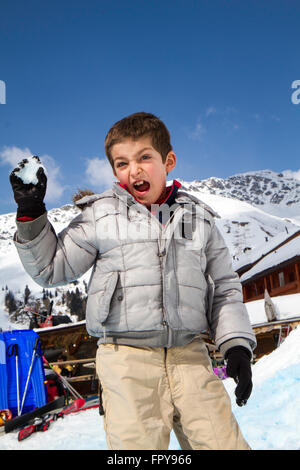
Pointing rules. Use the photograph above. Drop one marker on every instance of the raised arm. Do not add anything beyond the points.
(50, 259)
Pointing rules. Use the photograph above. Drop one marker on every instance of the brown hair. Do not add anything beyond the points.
(80, 194)
(139, 125)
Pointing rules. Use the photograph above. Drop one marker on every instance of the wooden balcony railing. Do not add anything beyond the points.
(289, 288)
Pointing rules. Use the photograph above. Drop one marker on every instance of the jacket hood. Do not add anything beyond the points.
(120, 192)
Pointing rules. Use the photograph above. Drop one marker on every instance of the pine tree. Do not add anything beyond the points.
(10, 302)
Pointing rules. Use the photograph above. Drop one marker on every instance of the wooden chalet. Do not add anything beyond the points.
(277, 271)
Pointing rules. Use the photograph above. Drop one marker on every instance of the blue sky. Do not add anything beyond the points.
(217, 72)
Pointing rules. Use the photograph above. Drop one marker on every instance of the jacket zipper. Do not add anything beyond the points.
(161, 254)
(164, 316)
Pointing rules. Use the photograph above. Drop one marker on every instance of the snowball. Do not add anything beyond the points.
(29, 170)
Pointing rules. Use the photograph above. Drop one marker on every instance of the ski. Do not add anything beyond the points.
(43, 423)
(22, 420)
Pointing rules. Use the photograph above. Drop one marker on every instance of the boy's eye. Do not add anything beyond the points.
(120, 164)
(145, 157)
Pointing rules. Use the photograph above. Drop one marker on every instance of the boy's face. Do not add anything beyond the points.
(138, 165)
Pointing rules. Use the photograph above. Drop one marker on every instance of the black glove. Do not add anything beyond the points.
(239, 368)
(29, 197)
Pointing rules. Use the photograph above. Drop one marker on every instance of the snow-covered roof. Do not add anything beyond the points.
(280, 255)
(287, 307)
(263, 249)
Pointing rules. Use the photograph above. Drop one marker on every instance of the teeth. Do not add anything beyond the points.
(139, 183)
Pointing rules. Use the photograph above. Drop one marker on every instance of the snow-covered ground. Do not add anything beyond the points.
(269, 421)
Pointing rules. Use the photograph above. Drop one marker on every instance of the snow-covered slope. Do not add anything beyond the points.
(12, 273)
(254, 208)
(245, 227)
(275, 193)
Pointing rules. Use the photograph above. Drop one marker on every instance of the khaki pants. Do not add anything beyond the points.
(147, 392)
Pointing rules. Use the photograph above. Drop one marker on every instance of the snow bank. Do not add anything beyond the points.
(271, 418)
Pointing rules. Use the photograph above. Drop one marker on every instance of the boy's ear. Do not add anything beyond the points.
(170, 161)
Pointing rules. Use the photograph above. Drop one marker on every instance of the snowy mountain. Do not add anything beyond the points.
(275, 193)
(252, 213)
(13, 276)
(11, 270)
(60, 217)
(257, 209)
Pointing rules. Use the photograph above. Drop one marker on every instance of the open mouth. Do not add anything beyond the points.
(141, 186)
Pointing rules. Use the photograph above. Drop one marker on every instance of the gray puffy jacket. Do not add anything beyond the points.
(147, 277)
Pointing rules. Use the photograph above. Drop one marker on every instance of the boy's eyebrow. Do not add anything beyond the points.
(137, 153)
(146, 148)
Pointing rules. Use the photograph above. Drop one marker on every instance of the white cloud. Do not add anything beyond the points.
(197, 133)
(13, 155)
(210, 110)
(264, 117)
(275, 118)
(214, 119)
(99, 172)
(54, 188)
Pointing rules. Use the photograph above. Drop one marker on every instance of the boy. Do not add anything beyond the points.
(161, 275)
